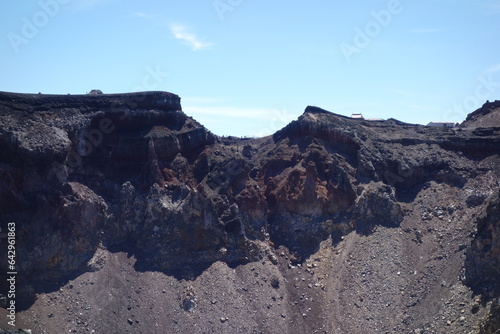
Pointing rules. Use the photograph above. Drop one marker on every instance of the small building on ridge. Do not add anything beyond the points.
(449, 125)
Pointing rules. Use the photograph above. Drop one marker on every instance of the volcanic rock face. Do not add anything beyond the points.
(484, 255)
(486, 117)
(331, 225)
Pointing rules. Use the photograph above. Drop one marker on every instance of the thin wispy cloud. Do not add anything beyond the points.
(202, 100)
(491, 8)
(420, 107)
(270, 119)
(182, 33)
(258, 113)
(178, 31)
(351, 107)
(424, 31)
(404, 92)
(493, 69)
(90, 4)
(144, 16)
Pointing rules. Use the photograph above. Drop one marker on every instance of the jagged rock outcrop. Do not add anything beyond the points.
(483, 265)
(492, 321)
(86, 177)
(377, 205)
(485, 117)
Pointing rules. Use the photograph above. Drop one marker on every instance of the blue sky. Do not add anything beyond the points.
(247, 68)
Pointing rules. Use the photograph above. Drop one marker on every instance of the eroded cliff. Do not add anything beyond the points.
(331, 225)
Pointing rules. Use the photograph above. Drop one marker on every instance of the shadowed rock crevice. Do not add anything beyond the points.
(483, 258)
